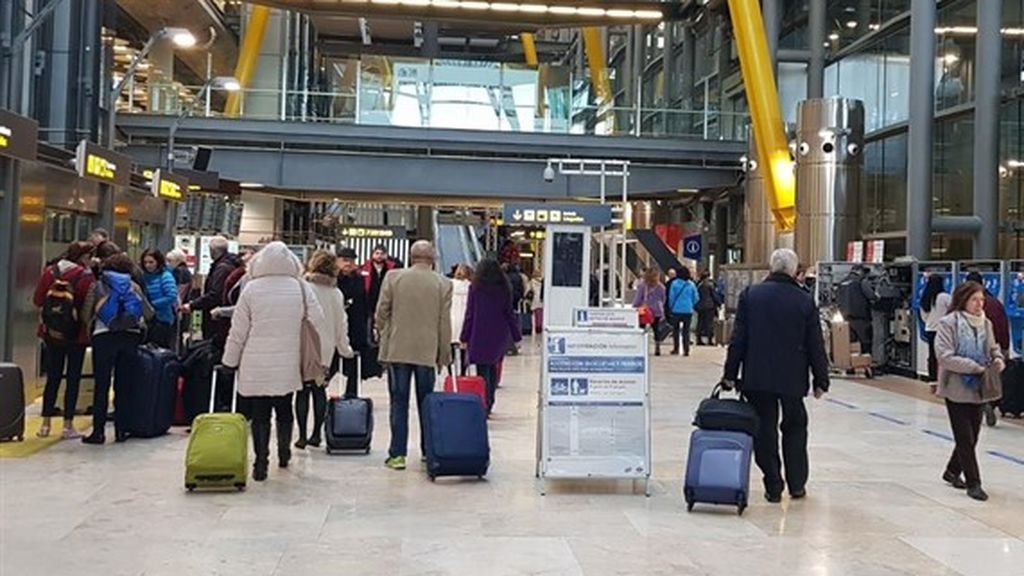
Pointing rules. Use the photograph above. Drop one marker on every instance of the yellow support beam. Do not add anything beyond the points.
(598, 65)
(529, 48)
(765, 112)
(248, 56)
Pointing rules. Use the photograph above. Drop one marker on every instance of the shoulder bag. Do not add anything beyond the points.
(310, 364)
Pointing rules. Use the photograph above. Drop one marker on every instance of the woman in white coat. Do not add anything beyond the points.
(263, 345)
(460, 297)
(322, 275)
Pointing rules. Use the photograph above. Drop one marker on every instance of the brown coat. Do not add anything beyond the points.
(414, 317)
(951, 386)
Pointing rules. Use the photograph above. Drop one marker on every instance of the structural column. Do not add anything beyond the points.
(986, 127)
(686, 76)
(668, 63)
(919, 139)
(816, 25)
(772, 24)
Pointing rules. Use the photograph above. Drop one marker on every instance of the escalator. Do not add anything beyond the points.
(656, 247)
(456, 244)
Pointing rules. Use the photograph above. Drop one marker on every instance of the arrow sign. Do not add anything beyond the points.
(517, 215)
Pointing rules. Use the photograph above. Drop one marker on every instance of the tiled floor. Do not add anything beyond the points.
(876, 504)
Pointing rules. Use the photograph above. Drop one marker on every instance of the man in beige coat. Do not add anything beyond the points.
(414, 323)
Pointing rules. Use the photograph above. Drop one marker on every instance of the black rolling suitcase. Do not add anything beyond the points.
(153, 392)
(349, 423)
(12, 403)
(1012, 403)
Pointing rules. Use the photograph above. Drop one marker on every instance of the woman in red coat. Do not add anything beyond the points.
(59, 295)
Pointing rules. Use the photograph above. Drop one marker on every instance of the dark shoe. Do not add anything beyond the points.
(97, 439)
(773, 497)
(954, 481)
(990, 415)
(315, 441)
(120, 437)
(977, 493)
(284, 447)
(675, 352)
(301, 443)
(259, 472)
(798, 494)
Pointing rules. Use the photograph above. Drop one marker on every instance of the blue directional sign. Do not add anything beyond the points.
(693, 247)
(542, 214)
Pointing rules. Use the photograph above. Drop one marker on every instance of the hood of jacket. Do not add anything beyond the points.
(275, 259)
(321, 279)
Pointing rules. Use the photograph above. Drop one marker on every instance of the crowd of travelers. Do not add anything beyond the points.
(667, 307)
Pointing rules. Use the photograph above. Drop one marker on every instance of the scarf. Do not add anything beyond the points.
(322, 279)
(972, 342)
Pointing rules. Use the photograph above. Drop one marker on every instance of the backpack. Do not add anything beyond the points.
(59, 314)
(120, 307)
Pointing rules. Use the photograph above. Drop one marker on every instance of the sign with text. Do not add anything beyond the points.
(382, 232)
(541, 213)
(102, 165)
(168, 186)
(18, 136)
(605, 318)
(874, 251)
(855, 252)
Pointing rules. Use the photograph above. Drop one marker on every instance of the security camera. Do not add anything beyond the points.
(549, 173)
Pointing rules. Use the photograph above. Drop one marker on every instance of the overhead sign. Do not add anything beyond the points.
(168, 186)
(605, 318)
(693, 247)
(572, 214)
(102, 165)
(382, 232)
(18, 136)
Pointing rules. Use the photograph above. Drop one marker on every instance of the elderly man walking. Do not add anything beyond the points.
(413, 319)
(777, 340)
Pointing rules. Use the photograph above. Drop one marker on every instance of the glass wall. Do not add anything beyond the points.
(880, 76)
(883, 206)
(953, 168)
(956, 32)
(849, 21)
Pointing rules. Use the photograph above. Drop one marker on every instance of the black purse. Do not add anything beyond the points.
(728, 414)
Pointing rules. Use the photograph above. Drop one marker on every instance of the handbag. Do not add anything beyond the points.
(310, 363)
(991, 384)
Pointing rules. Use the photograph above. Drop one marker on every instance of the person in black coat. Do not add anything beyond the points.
(353, 289)
(224, 263)
(777, 340)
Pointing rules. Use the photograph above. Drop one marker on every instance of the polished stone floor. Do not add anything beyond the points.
(876, 505)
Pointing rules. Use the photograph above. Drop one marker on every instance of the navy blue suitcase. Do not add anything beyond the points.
(455, 435)
(718, 468)
(152, 392)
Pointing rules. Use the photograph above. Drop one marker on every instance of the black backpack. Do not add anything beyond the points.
(59, 314)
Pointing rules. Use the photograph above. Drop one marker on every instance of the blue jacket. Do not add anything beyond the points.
(162, 292)
(682, 297)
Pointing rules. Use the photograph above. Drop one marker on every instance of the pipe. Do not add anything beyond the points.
(791, 55)
(765, 111)
(248, 56)
(816, 24)
(988, 52)
(919, 138)
(957, 224)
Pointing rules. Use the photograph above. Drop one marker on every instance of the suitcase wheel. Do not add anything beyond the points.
(367, 450)
(432, 478)
(190, 487)
(21, 438)
(740, 509)
(328, 449)
(689, 506)
(240, 486)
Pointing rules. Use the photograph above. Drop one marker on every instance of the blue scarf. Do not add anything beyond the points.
(971, 343)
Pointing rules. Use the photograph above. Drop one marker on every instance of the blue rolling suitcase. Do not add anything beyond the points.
(153, 392)
(455, 436)
(718, 468)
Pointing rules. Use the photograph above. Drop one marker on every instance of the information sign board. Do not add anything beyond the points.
(605, 318)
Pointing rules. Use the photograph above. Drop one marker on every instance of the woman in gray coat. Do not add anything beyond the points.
(968, 357)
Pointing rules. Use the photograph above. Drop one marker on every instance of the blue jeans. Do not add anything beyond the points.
(489, 372)
(399, 386)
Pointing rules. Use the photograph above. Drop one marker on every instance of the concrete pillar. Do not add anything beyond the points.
(817, 22)
(988, 52)
(264, 100)
(830, 145)
(919, 138)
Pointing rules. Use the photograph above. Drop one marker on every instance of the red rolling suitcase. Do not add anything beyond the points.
(465, 384)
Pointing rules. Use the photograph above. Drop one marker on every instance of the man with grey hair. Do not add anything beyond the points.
(224, 263)
(413, 320)
(777, 340)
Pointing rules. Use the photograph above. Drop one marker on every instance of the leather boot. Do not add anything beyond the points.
(284, 445)
(261, 445)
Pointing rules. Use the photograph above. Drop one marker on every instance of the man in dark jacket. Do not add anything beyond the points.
(224, 263)
(996, 314)
(777, 339)
(856, 296)
(353, 289)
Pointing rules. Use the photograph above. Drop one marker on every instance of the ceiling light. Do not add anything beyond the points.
(181, 37)
(585, 11)
(385, 1)
(533, 8)
(251, 185)
(833, 36)
(851, 24)
(229, 83)
(504, 7)
(416, 2)
(617, 13)
(445, 3)
(474, 5)
(563, 10)
(950, 59)
(649, 14)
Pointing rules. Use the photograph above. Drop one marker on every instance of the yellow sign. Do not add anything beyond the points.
(5, 137)
(100, 167)
(167, 186)
(103, 165)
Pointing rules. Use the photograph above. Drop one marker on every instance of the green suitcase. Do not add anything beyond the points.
(218, 449)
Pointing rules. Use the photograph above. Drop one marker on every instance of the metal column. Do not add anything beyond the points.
(772, 25)
(919, 140)
(668, 64)
(986, 127)
(816, 24)
(686, 76)
(9, 193)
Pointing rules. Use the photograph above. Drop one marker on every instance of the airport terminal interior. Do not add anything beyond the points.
(548, 240)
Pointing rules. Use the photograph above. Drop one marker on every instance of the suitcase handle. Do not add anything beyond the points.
(737, 387)
(341, 375)
(455, 368)
(234, 388)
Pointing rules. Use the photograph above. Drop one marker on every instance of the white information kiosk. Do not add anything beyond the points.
(594, 395)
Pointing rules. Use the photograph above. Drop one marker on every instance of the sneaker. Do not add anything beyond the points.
(395, 463)
(990, 415)
(70, 434)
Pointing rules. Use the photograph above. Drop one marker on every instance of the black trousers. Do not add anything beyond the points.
(706, 326)
(681, 324)
(56, 355)
(113, 357)
(310, 390)
(933, 361)
(965, 420)
(260, 408)
(794, 441)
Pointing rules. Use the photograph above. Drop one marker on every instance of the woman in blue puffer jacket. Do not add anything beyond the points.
(682, 299)
(162, 292)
